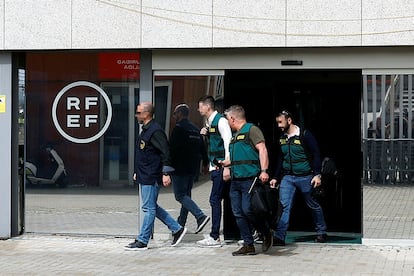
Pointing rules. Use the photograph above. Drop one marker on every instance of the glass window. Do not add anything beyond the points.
(78, 114)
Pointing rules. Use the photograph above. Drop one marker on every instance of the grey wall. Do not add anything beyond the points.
(5, 146)
(108, 24)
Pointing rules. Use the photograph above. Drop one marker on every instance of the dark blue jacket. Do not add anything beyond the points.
(187, 148)
(151, 154)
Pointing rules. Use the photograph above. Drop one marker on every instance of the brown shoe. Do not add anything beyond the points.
(245, 250)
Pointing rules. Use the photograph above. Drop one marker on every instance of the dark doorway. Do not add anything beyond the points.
(327, 102)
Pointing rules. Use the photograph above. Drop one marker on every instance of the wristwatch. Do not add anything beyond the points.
(265, 170)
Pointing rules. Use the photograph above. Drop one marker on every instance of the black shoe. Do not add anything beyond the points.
(201, 223)
(267, 241)
(321, 238)
(177, 237)
(136, 245)
(278, 242)
(131, 243)
(257, 237)
(245, 250)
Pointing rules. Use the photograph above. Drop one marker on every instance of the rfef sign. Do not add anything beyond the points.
(77, 111)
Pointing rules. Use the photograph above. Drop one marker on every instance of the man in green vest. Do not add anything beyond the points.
(298, 168)
(249, 160)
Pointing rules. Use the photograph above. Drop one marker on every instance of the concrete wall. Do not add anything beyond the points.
(380, 60)
(5, 148)
(108, 24)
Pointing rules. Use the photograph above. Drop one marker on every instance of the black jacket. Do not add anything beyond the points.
(187, 148)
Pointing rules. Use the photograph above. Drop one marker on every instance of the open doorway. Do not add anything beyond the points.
(327, 102)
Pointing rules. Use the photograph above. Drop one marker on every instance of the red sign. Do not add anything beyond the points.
(119, 66)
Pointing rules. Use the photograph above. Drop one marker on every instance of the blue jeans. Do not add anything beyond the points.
(288, 187)
(240, 205)
(182, 185)
(216, 198)
(151, 210)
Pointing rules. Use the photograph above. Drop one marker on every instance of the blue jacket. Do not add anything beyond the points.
(151, 154)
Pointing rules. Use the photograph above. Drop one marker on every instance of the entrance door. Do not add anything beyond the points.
(327, 102)
(116, 158)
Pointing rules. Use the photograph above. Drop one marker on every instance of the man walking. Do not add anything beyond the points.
(152, 167)
(218, 134)
(298, 168)
(187, 150)
(249, 160)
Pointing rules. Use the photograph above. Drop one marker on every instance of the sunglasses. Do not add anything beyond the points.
(285, 113)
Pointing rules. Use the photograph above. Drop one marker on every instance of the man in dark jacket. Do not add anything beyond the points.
(187, 150)
(152, 167)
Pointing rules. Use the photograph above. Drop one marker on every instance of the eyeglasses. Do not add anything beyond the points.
(286, 113)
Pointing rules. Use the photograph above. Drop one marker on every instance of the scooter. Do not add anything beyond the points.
(56, 175)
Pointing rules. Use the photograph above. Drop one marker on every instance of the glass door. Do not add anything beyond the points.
(116, 156)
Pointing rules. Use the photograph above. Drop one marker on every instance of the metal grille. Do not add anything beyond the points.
(388, 138)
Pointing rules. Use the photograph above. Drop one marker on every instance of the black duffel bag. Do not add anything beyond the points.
(265, 202)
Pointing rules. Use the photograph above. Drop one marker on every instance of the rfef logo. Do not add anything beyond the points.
(79, 114)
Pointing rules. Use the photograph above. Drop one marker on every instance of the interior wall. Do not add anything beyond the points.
(327, 102)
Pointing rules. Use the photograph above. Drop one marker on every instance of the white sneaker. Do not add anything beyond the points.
(209, 242)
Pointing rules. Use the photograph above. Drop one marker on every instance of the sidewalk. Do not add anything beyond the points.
(71, 255)
(70, 232)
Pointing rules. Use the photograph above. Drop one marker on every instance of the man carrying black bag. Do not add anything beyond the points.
(249, 159)
(298, 169)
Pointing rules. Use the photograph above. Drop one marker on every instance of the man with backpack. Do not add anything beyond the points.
(298, 168)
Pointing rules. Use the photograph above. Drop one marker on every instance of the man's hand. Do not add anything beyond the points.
(204, 131)
(205, 169)
(166, 180)
(264, 176)
(226, 174)
(316, 181)
(272, 183)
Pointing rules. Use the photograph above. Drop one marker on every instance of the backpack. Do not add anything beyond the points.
(329, 171)
(329, 167)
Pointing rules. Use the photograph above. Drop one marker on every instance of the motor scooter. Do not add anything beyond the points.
(55, 174)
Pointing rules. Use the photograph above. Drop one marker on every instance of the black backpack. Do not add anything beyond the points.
(329, 171)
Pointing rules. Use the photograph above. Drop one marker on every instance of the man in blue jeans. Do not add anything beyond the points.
(218, 135)
(249, 161)
(187, 149)
(152, 167)
(298, 168)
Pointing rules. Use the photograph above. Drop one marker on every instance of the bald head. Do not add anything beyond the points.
(144, 112)
(148, 107)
